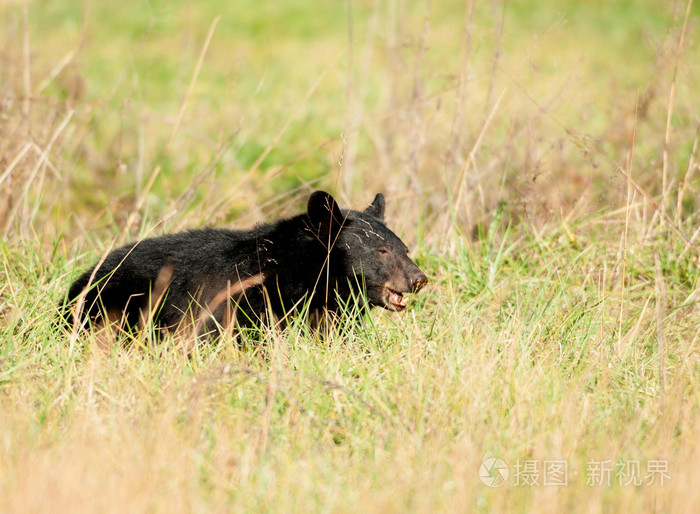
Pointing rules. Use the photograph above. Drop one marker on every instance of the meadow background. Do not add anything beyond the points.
(540, 159)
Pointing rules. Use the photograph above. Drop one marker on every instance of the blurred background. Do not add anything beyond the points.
(538, 158)
(155, 116)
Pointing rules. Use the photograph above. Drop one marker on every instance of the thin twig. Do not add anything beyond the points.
(660, 337)
(669, 113)
(16, 161)
(472, 153)
(156, 171)
(223, 207)
(496, 53)
(627, 222)
(60, 66)
(686, 179)
(355, 98)
(44, 156)
(26, 71)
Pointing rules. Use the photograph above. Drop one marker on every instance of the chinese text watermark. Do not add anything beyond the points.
(495, 472)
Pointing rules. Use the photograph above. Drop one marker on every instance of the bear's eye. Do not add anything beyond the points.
(383, 251)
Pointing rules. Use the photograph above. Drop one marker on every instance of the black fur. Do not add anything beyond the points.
(325, 257)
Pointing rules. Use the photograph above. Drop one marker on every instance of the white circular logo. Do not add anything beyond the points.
(493, 472)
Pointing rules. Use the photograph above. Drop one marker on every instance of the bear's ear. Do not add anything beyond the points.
(325, 215)
(376, 208)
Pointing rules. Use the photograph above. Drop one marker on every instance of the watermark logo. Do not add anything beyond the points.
(493, 472)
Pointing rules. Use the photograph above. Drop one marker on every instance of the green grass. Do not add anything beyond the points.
(561, 322)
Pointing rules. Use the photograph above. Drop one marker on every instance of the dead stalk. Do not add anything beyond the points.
(686, 178)
(627, 222)
(669, 112)
(26, 70)
(660, 290)
(156, 171)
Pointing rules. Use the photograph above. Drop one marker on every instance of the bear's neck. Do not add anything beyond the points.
(295, 262)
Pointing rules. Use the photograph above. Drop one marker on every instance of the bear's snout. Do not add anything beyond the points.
(418, 282)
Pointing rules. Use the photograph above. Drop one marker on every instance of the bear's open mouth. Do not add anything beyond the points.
(394, 300)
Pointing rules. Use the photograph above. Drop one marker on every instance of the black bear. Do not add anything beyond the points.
(209, 279)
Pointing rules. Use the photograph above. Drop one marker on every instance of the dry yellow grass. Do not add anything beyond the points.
(542, 163)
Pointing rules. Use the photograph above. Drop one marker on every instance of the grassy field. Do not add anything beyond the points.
(541, 163)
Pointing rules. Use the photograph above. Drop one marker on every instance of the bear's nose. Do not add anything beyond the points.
(419, 282)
